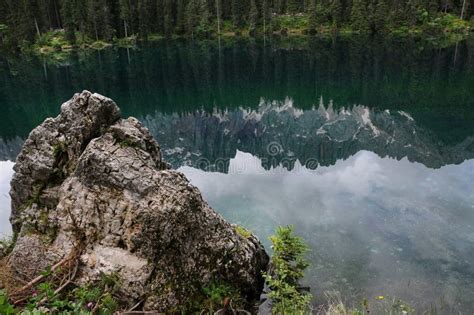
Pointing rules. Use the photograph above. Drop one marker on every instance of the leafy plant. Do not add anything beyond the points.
(97, 299)
(288, 264)
(216, 293)
(5, 306)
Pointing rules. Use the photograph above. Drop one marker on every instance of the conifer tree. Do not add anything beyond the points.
(321, 14)
(359, 16)
(125, 15)
(413, 12)
(266, 15)
(238, 8)
(313, 18)
(23, 20)
(397, 16)
(160, 16)
(80, 19)
(336, 13)
(204, 26)
(293, 6)
(192, 16)
(67, 12)
(218, 15)
(180, 16)
(168, 17)
(93, 20)
(279, 6)
(253, 17)
(380, 15)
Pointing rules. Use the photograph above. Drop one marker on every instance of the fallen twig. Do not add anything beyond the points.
(38, 279)
(135, 306)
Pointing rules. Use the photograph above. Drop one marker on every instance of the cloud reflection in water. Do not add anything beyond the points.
(376, 226)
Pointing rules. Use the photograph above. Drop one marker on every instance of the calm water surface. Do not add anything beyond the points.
(367, 147)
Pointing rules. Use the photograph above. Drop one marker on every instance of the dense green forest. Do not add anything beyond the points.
(26, 21)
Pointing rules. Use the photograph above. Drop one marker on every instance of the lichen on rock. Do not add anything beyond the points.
(89, 177)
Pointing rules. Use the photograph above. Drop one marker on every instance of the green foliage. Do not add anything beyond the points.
(80, 300)
(289, 264)
(5, 307)
(292, 22)
(3, 32)
(197, 18)
(380, 16)
(35, 195)
(243, 231)
(358, 16)
(322, 14)
(253, 17)
(99, 45)
(266, 15)
(92, 23)
(294, 6)
(336, 13)
(6, 246)
(238, 13)
(59, 149)
(313, 17)
(215, 295)
(54, 39)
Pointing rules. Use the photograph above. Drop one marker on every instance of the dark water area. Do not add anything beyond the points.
(366, 146)
(182, 76)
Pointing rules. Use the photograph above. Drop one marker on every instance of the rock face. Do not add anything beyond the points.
(89, 177)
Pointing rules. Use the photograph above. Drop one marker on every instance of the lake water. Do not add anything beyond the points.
(366, 146)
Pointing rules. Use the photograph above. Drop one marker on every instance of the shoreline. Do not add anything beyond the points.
(60, 53)
(443, 31)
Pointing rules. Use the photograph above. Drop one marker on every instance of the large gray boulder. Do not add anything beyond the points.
(92, 182)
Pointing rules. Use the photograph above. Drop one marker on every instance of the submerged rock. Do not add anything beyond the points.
(90, 180)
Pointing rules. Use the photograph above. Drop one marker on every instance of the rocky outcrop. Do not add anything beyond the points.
(88, 180)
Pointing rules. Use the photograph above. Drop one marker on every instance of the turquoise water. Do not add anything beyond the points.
(367, 147)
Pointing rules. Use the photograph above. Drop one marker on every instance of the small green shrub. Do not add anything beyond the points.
(289, 264)
(215, 295)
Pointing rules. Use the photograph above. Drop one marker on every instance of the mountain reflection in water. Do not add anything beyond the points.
(280, 134)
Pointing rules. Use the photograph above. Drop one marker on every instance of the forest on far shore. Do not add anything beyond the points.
(26, 22)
